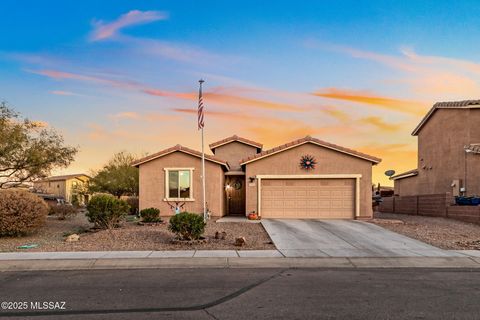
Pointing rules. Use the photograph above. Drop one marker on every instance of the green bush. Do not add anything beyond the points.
(187, 226)
(63, 211)
(106, 211)
(150, 215)
(21, 212)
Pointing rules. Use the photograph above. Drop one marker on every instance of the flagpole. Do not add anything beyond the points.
(201, 81)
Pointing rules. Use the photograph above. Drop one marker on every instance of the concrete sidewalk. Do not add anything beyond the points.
(89, 255)
(139, 254)
(25, 261)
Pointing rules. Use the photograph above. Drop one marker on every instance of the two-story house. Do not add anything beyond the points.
(448, 152)
(68, 187)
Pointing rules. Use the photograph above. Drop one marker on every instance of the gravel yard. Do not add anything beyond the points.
(440, 232)
(135, 237)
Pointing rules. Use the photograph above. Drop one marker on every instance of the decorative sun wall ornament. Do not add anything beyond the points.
(307, 162)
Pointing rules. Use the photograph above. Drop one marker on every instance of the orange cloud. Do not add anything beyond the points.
(397, 156)
(212, 97)
(226, 99)
(146, 117)
(337, 114)
(380, 124)
(432, 75)
(399, 105)
(134, 17)
(217, 114)
(61, 75)
(126, 115)
(62, 93)
(468, 66)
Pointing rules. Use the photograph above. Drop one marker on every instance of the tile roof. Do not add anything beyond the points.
(405, 174)
(473, 148)
(307, 139)
(235, 138)
(179, 148)
(464, 104)
(64, 177)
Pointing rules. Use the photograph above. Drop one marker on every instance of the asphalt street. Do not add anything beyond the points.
(243, 294)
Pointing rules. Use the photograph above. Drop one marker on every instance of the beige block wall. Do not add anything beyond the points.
(152, 184)
(328, 162)
(233, 152)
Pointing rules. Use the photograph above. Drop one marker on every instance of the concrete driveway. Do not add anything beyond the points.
(344, 238)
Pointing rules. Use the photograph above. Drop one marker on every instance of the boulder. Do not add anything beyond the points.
(72, 238)
(239, 242)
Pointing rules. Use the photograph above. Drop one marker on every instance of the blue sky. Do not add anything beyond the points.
(122, 75)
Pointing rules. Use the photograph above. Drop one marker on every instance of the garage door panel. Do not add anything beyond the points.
(308, 198)
(300, 193)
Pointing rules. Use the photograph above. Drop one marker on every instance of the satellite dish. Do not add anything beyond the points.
(389, 173)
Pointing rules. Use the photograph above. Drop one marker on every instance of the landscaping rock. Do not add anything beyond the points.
(221, 235)
(72, 238)
(239, 242)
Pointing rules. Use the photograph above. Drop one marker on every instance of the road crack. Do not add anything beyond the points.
(199, 307)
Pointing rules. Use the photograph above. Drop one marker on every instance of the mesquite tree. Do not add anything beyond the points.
(28, 149)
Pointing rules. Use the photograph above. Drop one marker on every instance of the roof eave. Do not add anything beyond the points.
(374, 161)
(403, 176)
(214, 146)
(137, 164)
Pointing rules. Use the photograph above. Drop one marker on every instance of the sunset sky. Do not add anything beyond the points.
(123, 75)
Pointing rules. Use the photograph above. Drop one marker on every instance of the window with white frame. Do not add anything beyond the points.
(179, 183)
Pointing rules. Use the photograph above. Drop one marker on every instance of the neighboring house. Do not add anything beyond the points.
(67, 187)
(448, 152)
(305, 178)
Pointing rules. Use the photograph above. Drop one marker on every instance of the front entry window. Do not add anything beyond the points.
(179, 184)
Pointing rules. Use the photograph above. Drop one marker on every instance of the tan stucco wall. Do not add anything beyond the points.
(152, 184)
(233, 152)
(61, 188)
(328, 162)
(406, 186)
(57, 188)
(440, 146)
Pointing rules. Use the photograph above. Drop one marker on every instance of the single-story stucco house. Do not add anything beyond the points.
(305, 178)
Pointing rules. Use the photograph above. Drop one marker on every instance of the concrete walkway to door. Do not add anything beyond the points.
(344, 238)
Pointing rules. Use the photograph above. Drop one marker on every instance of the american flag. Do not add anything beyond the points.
(200, 108)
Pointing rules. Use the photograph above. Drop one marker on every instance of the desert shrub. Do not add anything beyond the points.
(150, 215)
(75, 200)
(133, 203)
(21, 212)
(187, 226)
(106, 211)
(63, 211)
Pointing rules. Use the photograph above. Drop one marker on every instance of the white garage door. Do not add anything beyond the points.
(308, 198)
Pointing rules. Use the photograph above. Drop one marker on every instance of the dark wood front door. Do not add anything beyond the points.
(235, 194)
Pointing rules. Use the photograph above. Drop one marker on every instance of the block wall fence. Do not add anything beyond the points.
(433, 205)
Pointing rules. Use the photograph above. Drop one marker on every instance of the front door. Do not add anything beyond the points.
(235, 195)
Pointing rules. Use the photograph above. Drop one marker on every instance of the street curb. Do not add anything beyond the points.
(236, 262)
